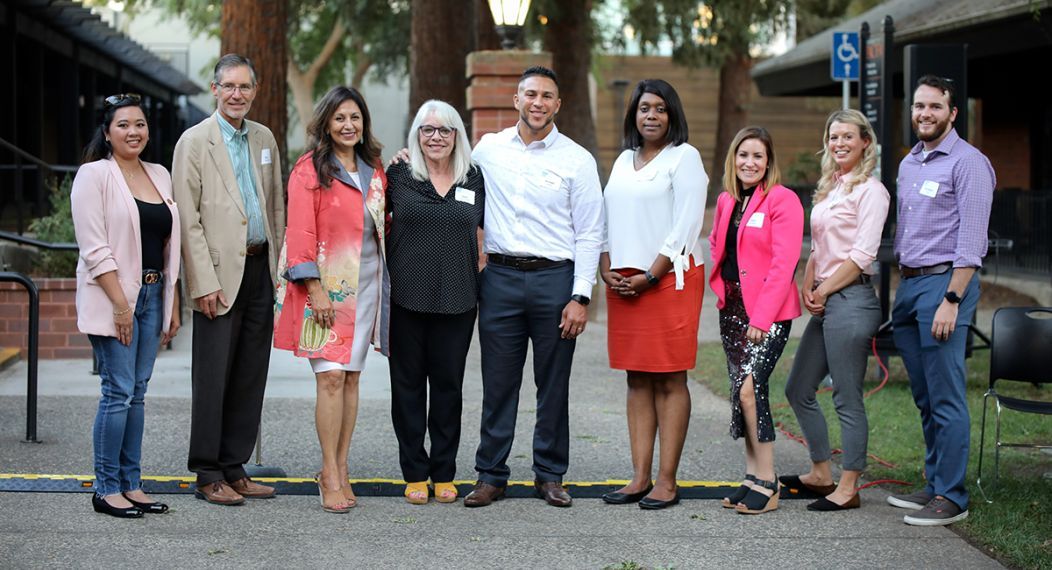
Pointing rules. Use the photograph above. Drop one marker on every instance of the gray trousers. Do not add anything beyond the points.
(838, 344)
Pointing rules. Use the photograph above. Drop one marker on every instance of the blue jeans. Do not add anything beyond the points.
(124, 371)
(937, 378)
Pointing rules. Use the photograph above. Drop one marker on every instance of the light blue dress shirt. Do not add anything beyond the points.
(241, 158)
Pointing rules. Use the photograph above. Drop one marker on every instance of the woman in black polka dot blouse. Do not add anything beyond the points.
(436, 201)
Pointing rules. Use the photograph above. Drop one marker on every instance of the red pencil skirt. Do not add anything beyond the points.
(658, 330)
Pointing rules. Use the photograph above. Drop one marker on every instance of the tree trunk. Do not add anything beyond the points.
(438, 53)
(486, 37)
(734, 98)
(568, 36)
(256, 29)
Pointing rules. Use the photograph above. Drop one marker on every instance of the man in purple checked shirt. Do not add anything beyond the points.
(945, 187)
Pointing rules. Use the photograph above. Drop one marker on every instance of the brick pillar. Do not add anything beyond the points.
(493, 77)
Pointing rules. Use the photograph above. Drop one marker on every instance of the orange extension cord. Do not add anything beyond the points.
(802, 441)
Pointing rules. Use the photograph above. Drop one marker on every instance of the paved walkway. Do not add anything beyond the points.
(60, 529)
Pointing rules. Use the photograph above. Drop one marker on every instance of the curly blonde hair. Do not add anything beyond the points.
(862, 170)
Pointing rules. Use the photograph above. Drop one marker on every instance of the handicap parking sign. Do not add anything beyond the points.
(845, 57)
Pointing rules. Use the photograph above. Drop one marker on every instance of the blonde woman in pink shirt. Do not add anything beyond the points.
(850, 206)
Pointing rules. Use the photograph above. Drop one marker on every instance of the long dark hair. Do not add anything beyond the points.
(677, 120)
(321, 141)
(98, 147)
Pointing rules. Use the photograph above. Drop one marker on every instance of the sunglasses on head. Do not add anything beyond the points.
(114, 100)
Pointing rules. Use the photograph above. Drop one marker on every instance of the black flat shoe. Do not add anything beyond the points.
(151, 508)
(825, 505)
(626, 498)
(797, 487)
(646, 503)
(101, 506)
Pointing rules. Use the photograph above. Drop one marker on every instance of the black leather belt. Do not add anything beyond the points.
(151, 276)
(908, 272)
(256, 249)
(525, 263)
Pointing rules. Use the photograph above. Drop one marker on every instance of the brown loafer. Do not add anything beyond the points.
(483, 494)
(553, 493)
(252, 490)
(219, 493)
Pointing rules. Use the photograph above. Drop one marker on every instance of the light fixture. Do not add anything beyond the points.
(509, 17)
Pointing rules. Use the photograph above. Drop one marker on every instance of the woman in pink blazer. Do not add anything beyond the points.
(123, 216)
(756, 238)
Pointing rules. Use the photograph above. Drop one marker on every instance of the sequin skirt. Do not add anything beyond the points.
(745, 358)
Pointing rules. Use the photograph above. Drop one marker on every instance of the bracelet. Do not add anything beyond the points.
(122, 313)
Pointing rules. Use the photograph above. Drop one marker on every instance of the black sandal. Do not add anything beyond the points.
(756, 502)
(732, 500)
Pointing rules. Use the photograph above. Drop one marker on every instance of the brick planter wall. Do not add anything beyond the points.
(493, 79)
(59, 337)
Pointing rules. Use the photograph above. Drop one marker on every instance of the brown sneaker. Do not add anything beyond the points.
(252, 490)
(219, 493)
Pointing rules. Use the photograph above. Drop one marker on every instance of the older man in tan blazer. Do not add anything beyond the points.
(227, 179)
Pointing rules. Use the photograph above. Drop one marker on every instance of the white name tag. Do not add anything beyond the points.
(465, 195)
(755, 221)
(551, 180)
(264, 156)
(929, 188)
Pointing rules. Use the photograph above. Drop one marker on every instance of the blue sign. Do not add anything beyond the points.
(845, 56)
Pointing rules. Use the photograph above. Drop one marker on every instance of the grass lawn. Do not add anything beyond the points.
(1017, 527)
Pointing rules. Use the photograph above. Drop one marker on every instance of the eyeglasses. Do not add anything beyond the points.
(114, 100)
(428, 131)
(229, 88)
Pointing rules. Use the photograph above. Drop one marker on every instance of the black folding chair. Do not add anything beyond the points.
(1020, 351)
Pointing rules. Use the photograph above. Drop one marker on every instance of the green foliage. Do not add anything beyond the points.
(805, 168)
(57, 227)
(707, 32)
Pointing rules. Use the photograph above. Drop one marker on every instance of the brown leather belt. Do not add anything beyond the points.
(525, 263)
(256, 249)
(151, 276)
(908, 272)
(863, 279)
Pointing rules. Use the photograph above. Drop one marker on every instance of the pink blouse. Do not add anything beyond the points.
(848, 227)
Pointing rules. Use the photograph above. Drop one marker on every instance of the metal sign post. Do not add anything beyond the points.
(845, 62)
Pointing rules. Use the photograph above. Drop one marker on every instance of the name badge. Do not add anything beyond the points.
(930, 188)
(465, 195)
(551, 180)
(755, 221)
(264, 156)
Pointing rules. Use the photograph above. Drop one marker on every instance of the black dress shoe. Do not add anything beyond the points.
(101, 506)
(657, 504)
(626, 498)
(553, 493)
(152, 508)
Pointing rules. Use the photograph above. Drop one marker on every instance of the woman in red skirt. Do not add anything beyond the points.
(654, 271)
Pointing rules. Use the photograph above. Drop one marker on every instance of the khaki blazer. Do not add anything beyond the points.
(212, 213)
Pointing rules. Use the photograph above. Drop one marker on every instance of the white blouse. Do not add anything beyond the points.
(658, 209)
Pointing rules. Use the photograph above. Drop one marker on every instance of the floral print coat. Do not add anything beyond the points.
(324, 241)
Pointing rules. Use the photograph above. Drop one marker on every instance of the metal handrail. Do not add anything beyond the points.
(34, 337)
(23, 240)
(35, 164)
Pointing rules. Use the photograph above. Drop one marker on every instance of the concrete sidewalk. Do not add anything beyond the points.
(60, 529)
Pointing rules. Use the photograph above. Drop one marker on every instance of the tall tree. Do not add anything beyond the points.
(439, 50)
(718, 32)
(248, 27)
(569, 36)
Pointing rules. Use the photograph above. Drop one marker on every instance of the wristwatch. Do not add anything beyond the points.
(953, 297)
(650, 278)
(580, 299)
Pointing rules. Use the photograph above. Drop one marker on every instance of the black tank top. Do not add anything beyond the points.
(155, 225)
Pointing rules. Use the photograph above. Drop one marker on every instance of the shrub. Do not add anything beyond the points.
(56, 227)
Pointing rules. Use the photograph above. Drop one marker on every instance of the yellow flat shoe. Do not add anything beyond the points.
(445, 492)
(416, 493)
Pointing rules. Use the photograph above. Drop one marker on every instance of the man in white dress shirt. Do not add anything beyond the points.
(544, 220)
